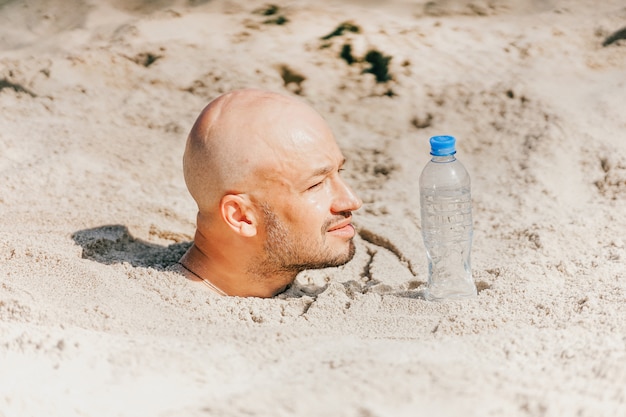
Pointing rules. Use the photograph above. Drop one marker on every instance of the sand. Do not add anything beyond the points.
(96, 99)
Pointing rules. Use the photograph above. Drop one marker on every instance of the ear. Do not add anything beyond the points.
(239, 214)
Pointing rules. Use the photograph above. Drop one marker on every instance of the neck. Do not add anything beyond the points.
(195, 277)
(221, 266)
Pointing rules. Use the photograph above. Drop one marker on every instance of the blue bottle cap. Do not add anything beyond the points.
(442, 145)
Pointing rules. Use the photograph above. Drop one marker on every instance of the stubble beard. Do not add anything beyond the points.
(285, 253)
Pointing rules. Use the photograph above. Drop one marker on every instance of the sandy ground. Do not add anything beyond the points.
(96, 99)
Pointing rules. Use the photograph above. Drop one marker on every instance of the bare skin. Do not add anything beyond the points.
(264, 169)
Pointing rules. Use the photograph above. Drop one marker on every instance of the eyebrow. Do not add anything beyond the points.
(326, 169)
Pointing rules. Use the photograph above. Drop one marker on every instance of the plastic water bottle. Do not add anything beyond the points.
(446, 209)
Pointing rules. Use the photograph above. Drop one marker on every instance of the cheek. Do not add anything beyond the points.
(310, 211)
(317, 203)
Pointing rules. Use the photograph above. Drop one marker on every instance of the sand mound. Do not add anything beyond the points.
(96, 100)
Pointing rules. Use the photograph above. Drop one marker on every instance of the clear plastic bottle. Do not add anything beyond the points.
(447, 229)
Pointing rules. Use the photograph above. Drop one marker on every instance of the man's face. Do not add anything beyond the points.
(307, 209)
(291, 251)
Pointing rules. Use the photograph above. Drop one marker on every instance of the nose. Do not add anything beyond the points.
(345, 198)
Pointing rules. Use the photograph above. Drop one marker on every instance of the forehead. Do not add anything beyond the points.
(309, 150)
(300, 150)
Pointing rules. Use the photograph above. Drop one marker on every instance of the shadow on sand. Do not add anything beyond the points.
(113, 244)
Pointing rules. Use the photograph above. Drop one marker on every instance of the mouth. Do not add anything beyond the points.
(344, 229)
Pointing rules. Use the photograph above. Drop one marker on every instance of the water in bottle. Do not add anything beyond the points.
(446, 210)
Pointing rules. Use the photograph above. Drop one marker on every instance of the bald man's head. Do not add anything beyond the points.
(265, 171)
(233, 139)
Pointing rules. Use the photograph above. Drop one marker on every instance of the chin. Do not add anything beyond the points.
(346, 255)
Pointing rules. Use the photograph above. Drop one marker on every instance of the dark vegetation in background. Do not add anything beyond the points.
(378, 63)
(343, 27)
(4, 83)
(615, 36)
(292, 79)
(273, 11)
(373, 62)
(346, 54)
(146, 58)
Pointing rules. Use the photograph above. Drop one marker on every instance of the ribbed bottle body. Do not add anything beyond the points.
(447, 228)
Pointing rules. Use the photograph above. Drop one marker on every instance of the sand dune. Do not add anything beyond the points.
(96, 99)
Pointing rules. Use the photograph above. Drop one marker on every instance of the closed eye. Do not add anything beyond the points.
(324, 173)
(314, 186)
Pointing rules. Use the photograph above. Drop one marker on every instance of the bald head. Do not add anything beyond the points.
(238, 137)
(264, 169)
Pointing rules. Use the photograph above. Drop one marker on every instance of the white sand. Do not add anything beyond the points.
(93, 207)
